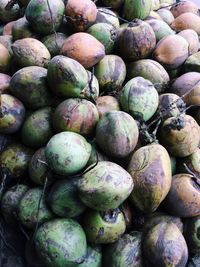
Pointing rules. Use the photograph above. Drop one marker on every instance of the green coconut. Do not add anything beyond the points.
(5, 59)
(117, 134)
(37, 130)
(105, 33)
(106, 15)
(136, 9)
(12, 114)
(104, 228)
(54, 42)
(111, 73)
(21, 29)
(67, 77)
(45, 17)
(139, 98)
(8, 14)
(93, 257)
(29, 84)
(105, 186)
(61, 242)
(63, 199)
(191, 234)
(67, 153)
(192, 64)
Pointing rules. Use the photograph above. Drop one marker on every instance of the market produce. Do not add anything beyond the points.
(99, 133)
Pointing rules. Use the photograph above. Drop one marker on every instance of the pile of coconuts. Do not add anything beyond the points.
(99, 131)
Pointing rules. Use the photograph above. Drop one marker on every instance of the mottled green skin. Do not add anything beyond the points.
(41, 20)
(192, 63)
(105, 15)
(66, 77)
(8, 15)
(126, 252)
(37, 167)
(150, 168)
(104, 228)
(67, 153)
(93, 257)
(155, 218)
(30, 52)
(104, 33)
(192, 162)
(21, 29)
(139, 98)
(111, 73)
(164, 245)
(166, 15)
(54, 42)
(12, 114)
(76, 115)
(136, 9)
(117, 134)
(105, 187)
(61, 242)
(29, 84)
(137, 41)
(10, 202)
(14, 160)
(28, 209)
(160, 28)
(63, 199)
(151, 70)
(36, 130)
(192, 234)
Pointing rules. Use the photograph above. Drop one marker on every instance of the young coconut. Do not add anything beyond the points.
(106, 15)
(54, 42)
(84, 48)
(29, 84)
(107, 103)
(105, 186)
(111, 73)
(192, 38)
(36, 129)
(21, 29)
(47, 18)
(127, 251)
(136, 9)
(81, 13)
(67, 153)
(63, 199)
(104, 227)
(14, 160)
(93, 257)
(180, 135)
(30, 52)
(164, 245)
(192, 63)
(150, 168)
(32, 209)
(186, 21)
(5, 59)
(61, 242)
(12, 114)
(184, 7)
(7, 15)
(117, 134)
(136, 41)
(171, 51)
(151, 70)
(66, 77)
(185, 192)
(139, 98)
(76, 115)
